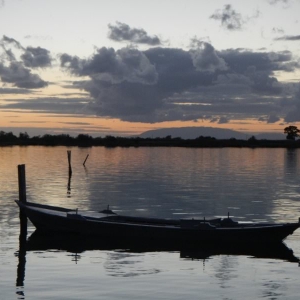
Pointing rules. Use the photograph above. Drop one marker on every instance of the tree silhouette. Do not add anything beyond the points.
(292, 132)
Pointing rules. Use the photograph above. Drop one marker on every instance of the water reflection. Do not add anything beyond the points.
(286, 202)
(198, 182)
(291, 166)
(127, 258)
(252, 184)
(39, 241)
(273, 290)
(291, 161)
(226, 271)
(69, 185)
(127, 264)
(21, 256)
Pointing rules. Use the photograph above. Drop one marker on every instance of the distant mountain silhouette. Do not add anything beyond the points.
(270, 136)
(218, 133)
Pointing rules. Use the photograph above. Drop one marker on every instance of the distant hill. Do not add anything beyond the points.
(218, 133)
(194, 132)
(270, 136)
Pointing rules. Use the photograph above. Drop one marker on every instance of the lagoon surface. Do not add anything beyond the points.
(251, 184)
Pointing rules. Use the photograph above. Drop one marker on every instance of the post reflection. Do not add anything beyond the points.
(69, 185)
(21, 257)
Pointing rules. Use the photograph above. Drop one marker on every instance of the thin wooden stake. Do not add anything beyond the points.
(69, 161)
(85, 159)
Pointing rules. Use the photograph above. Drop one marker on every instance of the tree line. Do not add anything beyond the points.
(85, 140)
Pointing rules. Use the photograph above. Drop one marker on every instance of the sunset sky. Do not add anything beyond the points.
(124, 67)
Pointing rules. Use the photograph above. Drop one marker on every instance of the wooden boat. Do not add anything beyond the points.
(111, 226)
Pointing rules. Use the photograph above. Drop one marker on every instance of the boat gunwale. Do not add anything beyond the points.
(142, 222)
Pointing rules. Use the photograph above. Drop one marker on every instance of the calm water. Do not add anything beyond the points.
(251, 184)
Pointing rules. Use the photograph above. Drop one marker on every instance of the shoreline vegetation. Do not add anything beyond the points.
(85, 140)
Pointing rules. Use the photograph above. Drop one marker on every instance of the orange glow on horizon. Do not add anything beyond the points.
(96, 126)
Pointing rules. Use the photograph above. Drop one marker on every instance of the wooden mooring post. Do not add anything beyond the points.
(69, 161)
(85, 160)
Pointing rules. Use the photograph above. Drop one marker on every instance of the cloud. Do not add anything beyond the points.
(137, 100)
(20, 76)
(293, 114)
(277, 30)
(8, 53)
(126, 64)
(14, 91)
(232, 20)
(288, 38)
(274, 2)
(17, 71)
(36, 57)
(233, 79)
(223, 120)
(262, 82)
(229, 18)
(7, 40)
(123, 32)
(55, 105)
(76, 123)
(259, 67)
(214, 120)
(205, 58)
(273, 118)
(39, 37)
(184, 85)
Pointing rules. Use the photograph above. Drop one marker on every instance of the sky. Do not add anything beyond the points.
(124, 67)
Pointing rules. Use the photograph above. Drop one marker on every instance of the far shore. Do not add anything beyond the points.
(84, 140)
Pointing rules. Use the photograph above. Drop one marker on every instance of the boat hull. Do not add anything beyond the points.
(76, 224)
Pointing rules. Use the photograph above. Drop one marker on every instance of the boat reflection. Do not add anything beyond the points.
(75, 245)
(39, 241)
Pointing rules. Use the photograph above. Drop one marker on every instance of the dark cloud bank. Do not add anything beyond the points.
(162, 84)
